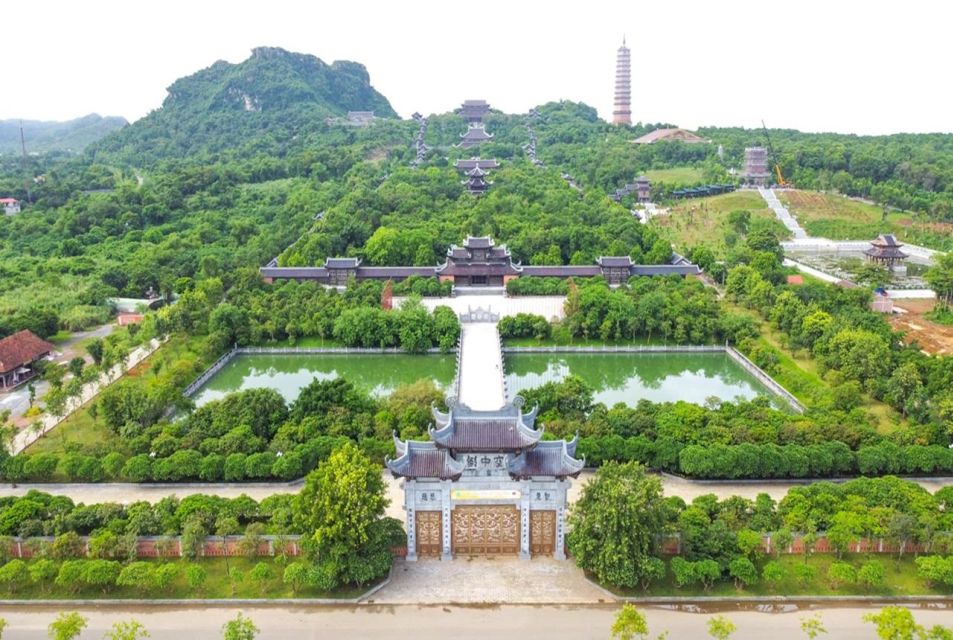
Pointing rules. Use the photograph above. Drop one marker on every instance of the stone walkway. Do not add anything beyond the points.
(489, 581)
(481, 370)
(782, 213)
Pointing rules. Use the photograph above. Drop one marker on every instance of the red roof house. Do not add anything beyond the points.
(17, 355)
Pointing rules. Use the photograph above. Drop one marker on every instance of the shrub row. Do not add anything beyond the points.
(182, 465)
(720, 461)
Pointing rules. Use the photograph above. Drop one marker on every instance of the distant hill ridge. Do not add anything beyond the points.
(274, 94)
(71, 135)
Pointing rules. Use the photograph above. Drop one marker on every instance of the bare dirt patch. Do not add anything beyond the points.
(933, 338)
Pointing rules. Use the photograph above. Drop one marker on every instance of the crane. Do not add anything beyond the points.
(774, 158)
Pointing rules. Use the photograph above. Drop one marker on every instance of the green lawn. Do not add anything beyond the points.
(679, 176)
(217, 585)
(839, 218)
(705, 220)
(901, 580)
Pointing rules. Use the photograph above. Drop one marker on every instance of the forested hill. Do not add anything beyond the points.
(272, 100)
(43, 136)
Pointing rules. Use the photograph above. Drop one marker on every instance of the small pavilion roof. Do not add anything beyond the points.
(423, 460)
(551, 458)
(886, 246)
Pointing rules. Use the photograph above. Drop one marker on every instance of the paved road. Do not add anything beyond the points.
(481, 366)
(124, 492)
(439, 622)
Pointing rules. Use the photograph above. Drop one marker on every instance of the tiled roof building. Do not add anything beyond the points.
(485, 484)
(18, 353)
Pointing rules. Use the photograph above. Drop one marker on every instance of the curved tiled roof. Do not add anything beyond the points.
(23, 347)
(424, 460)
(465, 430)
(552, 458)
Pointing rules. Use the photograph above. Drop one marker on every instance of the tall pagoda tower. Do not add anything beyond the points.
(622, 105)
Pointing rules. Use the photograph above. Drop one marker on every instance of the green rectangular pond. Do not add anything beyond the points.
(630, 377)
(377, 374)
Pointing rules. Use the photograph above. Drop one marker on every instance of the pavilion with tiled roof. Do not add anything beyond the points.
(18, 354)
(885, 251)
(485, 484)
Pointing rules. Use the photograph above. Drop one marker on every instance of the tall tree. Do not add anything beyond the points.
(340, 510)
(614, 524)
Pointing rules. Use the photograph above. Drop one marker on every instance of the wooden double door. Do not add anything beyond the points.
(429, 533)
(542, 533)
(485, 530)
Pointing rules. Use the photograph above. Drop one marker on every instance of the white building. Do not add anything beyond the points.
(10, 205)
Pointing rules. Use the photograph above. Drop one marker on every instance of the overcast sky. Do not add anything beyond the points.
(871, 67)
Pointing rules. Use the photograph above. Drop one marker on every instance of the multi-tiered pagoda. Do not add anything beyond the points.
(485, 484)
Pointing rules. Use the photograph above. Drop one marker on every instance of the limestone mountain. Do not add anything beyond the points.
(271, 100)
(70, 135)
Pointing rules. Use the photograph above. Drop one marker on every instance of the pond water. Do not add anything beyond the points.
(630, 377)
(379, 375)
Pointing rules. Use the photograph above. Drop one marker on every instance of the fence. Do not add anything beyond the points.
(731, 352)
(269, 545)
(208, 373)
(764, 378)
(672, 546)
(648, 348)
(219, 364)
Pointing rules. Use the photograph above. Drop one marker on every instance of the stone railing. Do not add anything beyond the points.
(648, 348)
(455, 386)
(502, 367)
(209, 373)
(765, 379)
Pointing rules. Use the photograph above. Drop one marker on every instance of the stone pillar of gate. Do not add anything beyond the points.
(445, 523)
(525, 495)
(560, 551)
(410, 507)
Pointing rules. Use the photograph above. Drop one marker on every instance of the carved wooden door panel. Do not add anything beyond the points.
(428, 533)
(489, 530)
(542, 532)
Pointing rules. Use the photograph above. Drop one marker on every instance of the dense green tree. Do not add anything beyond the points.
(340, 510)
(614, 523)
